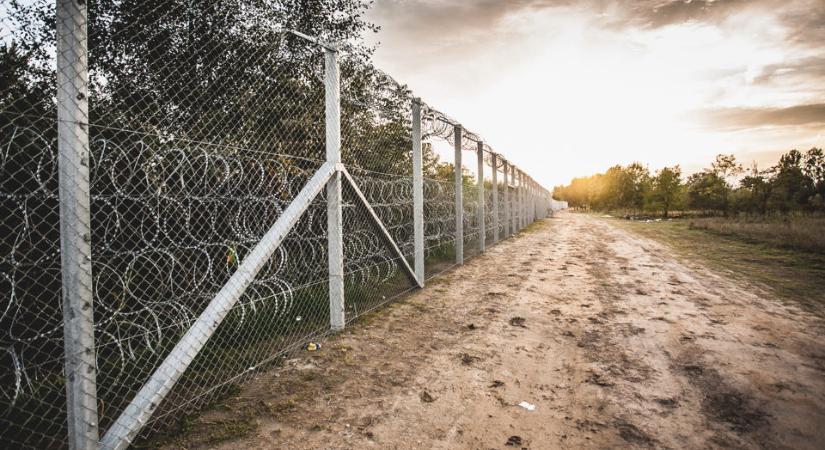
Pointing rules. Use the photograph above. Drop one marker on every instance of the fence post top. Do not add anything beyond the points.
(329, 46)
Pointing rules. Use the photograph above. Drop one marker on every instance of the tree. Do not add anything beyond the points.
(638, 182)
(759, 188)
(666, 188)
(725, 167)
(707, 191)
(791, 188)
(814, 168)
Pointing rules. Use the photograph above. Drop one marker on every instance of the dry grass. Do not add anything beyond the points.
(795, 232)
(779, 258)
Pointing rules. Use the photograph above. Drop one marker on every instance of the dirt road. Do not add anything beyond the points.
(615, 342)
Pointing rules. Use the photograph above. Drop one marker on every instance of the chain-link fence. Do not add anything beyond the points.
(189, 195)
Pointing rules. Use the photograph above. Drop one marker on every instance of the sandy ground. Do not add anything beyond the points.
(615, 342)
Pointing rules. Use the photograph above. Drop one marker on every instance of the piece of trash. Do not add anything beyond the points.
(298, 319)
(497, 383)
(313, 346)
(518, 321)
(231, 257)
(528, 406)
(426, 397)
(513, 441)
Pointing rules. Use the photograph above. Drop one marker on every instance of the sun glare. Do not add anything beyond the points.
(562, 90)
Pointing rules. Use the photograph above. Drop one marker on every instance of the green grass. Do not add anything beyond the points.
(794, 275)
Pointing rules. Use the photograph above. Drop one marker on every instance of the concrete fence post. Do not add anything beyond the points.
(540, 211)
(514, 202)
(523, 191)
(526, 193)
(532, 200)
(482, 225)
(523, 200)
(519, 217)
(335, 238)
(418, 192)
(494, 165)
(75, 223)
(527, 188)
(459, 197)
(507, 219)
(526, 200)
(529, 200)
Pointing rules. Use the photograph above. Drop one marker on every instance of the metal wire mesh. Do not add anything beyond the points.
(439, 225)
(193, 132)
(215, 128)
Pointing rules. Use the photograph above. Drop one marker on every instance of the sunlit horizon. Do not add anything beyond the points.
(568, 91)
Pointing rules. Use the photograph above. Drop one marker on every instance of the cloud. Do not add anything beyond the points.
(653, 13)
(514, 69)
(804, 70)
(444, 21)
(744, 118)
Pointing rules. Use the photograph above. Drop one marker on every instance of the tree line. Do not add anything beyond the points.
(795, 184)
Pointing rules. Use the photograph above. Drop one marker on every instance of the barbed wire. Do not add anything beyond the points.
(196, 149)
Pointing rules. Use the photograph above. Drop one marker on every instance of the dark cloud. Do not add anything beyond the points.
(743, 118)
(803, 19)
(657, 13)
(436, 20)
(806, 24)
(805, 70)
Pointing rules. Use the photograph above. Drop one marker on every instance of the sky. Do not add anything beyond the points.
(568, 88)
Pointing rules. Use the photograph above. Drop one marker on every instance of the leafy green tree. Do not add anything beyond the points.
(666, 189)
(814, 168)
(637, 183)
(707, 191)
(759, 188)
(725, 167)
(791, 188)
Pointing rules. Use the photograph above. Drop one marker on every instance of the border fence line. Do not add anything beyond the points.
(178, 220)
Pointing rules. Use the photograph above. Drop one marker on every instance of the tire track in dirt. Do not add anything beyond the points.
(614, 342)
